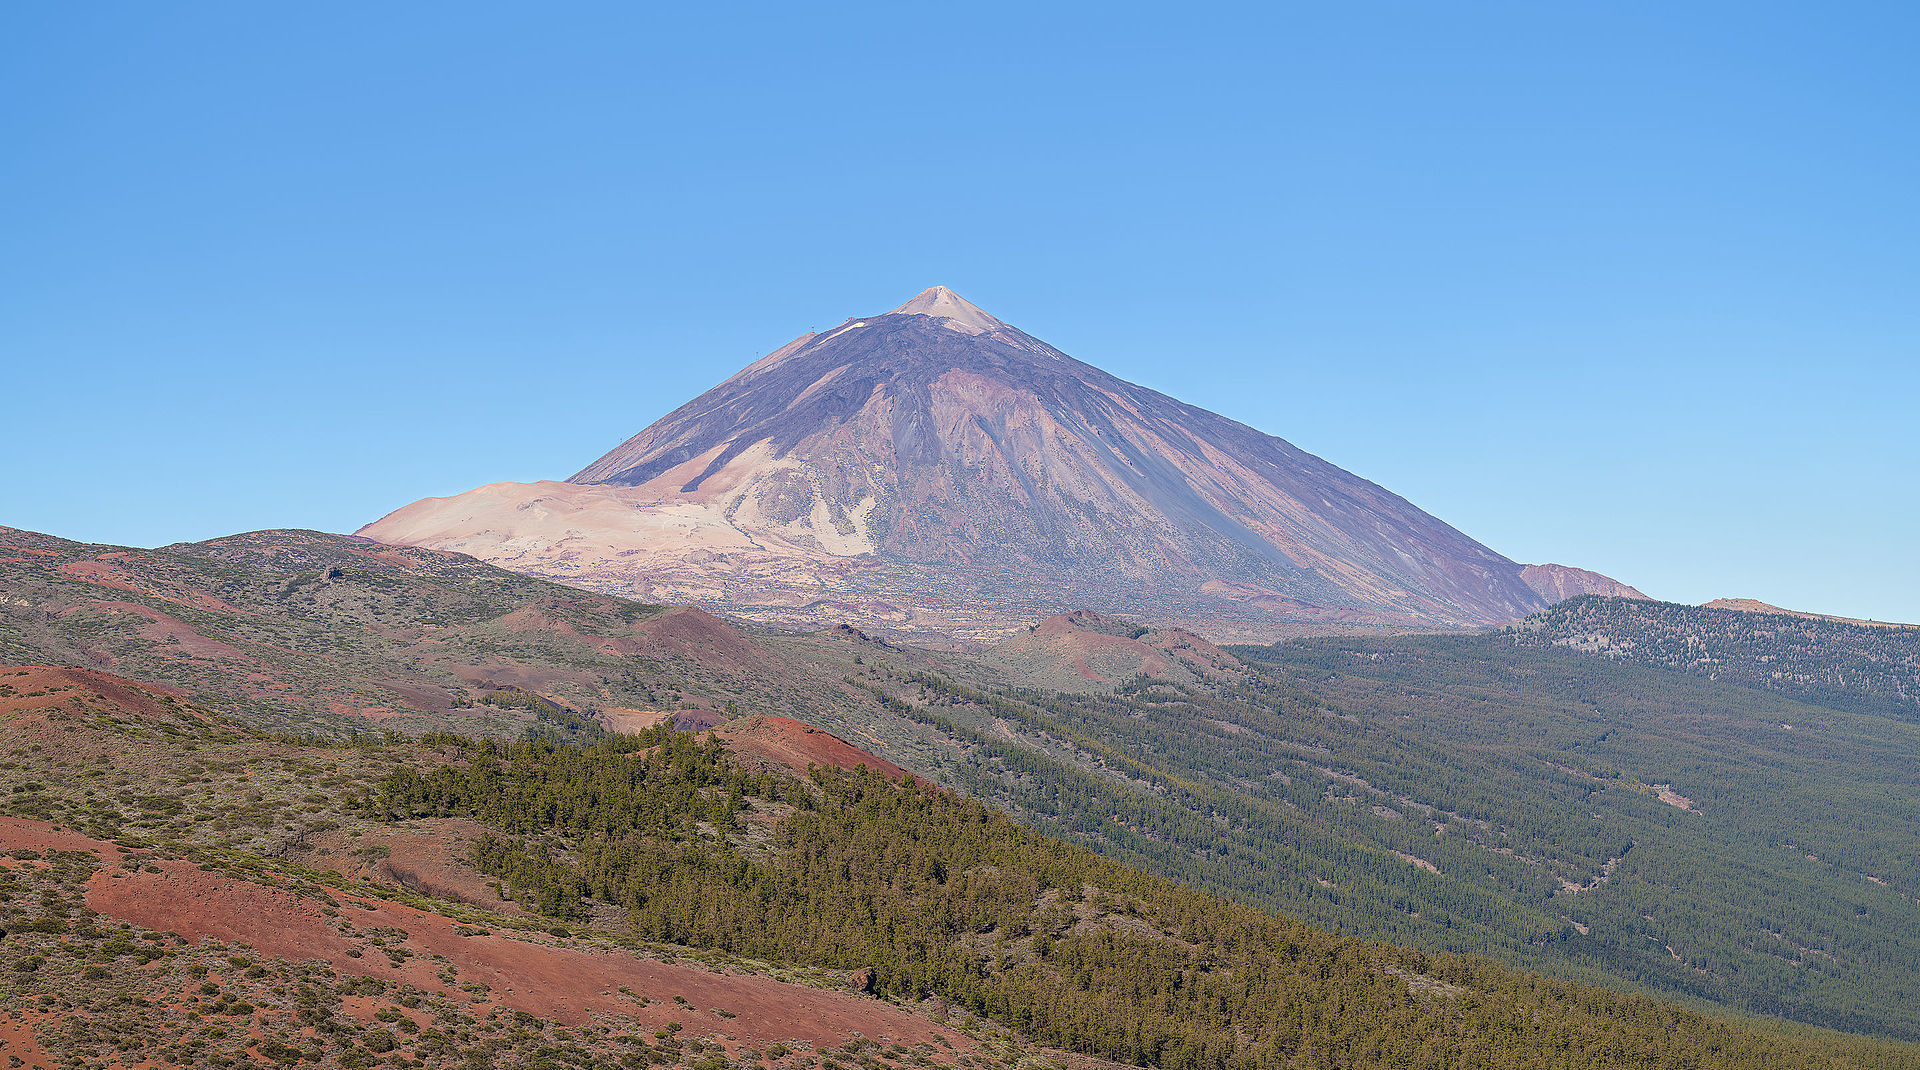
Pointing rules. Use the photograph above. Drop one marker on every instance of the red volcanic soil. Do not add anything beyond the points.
(797, 745)
(37, 690)
(104, 572)
(544, 617)
(566, 984)
(18, 1040)
(34, 550)
(410, 666)
(430, 856)
(681, 630)
(20, 832)
(1092, 647)
(1071, 635)
(163, 628)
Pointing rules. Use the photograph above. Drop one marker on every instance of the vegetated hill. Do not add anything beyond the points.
(934, 470)
(1830, 661)
(1082, 651)
(177, 892)
(1754, 605)
(1271, 782)
(799, 747)
(301, 631)
(163, 905)
(1593, 819)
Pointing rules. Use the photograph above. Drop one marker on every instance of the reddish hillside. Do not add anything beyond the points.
(797, 745)
(306, 631)
(244, 958)
(565, 981)
(1081, 650)
(41, 688)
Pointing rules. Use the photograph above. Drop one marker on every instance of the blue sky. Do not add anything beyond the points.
(1629, 286)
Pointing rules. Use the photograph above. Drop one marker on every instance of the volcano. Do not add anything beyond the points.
(935, 470)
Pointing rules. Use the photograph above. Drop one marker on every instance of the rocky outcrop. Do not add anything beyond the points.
(1557, 583)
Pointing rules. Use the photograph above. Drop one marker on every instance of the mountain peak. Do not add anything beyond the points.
(970, 478)
(956, 312)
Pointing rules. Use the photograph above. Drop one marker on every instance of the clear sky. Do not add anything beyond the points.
(1631, 286)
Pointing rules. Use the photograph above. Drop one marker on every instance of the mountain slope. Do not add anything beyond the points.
(174, 897)
(164, 907)
(1832, 661)
(1081, 651)
(302, 631)
(1557, 583)
(1589, 818)
(935, 468)
(1309, 779)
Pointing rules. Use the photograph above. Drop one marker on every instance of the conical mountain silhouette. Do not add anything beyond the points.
(935, 468)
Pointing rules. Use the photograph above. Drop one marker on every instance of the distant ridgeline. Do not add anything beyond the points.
(1839, 664)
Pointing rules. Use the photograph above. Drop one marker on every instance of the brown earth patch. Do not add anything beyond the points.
(1416, 860)
(161, 627)
(543, 619)
(19, 832)
(698, 720)
(430, 856)
(628, 720)
(1666, 794)
(705, 638)
(34, 550)
(1071, 649)
(424, 699)
(18, 1040)
(367, 713)
(103, 574)
(366, 1010)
